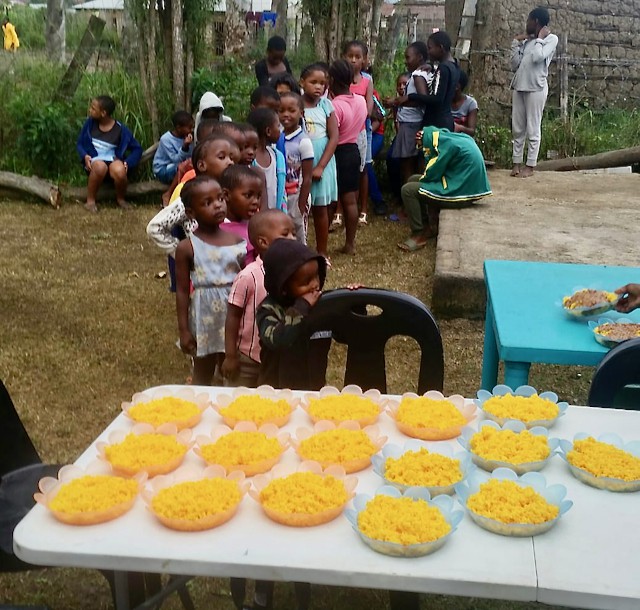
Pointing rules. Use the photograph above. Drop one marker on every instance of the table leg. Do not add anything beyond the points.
(490, 356)
(516, 373)
(121, 585)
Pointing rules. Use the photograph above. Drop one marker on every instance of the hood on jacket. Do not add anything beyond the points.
(283, 258)
(210, 100)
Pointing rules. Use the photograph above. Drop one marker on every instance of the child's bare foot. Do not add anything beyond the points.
(516, 170)
(526, 172)
(91, 206)
(347, 249)
(124, 205)
(166, 196)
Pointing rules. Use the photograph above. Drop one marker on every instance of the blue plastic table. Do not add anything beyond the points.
(525, 323)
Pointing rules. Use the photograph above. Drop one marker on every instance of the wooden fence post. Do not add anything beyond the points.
(563, 74)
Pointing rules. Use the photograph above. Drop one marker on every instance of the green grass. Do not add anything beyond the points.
(85, 324)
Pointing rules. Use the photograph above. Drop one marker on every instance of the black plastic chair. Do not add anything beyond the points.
(617, 371)
(366, 332)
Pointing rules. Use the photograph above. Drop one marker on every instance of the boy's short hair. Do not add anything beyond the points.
(246, 128)
(296, 96)
(106, 103)
(234, 175)
(214, 128)
(284, 78)
(259, 221)
(181, 118)
(262, 119)
(442, 39)
(186, 194)
(200, 151)
(264, 92)
(276, 43)
(541, 15)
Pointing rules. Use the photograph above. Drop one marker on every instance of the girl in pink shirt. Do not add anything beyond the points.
(351, 113)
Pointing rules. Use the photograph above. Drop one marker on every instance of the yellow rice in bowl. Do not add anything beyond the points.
(423, 469)
(257, 409)
(304, 499)
(510, 503)
(344, 407)
(197, 505)
(151, 453)
(527, 409)
(93, 499)
(509, 447)
(251, 452)
(429, 419)
(402, 521)
(604, 460)
(351, 449)
(167, 410)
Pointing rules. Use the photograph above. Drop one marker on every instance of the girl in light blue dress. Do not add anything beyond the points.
(322, 128)
(207, 262)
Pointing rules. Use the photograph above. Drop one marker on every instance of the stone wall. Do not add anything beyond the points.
(603, 50)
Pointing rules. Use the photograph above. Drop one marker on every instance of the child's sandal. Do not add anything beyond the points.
(337, 221)
(363, 219)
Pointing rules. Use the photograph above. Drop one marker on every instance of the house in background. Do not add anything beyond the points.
(416, 19)
(110, 11)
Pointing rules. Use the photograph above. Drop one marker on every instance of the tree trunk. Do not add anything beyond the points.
(177, 53)
(107, 191)
(375, 29)
(189, 67)
(365, 17)
(56, 30)
(280, 7)
(154, 75)
(612, 158)
(320, 41)
(235, 30)
(393, 32)
(32, 185)
(334, 29)
(78, 65)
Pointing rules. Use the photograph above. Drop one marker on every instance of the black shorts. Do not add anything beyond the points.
(348, 168)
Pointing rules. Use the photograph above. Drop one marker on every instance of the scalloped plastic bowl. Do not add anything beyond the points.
(303, 519)
(352, 389)
(255, 468)
(554, 494)
(515, 426)
(264, 391)
(607, 483)
(50, 486)
(350, 466)
(602, 339)
(588, 312)
(117, 436)
(202, 401)
(523, 390)
(433, 434)
(194, 474)
(444, 503)
(395, 451)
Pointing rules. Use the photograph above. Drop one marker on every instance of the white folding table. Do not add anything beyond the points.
(576, 564)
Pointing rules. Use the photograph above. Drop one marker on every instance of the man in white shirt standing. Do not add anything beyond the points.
(531, 54)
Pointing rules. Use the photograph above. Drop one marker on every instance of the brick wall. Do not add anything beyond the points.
(603, 49)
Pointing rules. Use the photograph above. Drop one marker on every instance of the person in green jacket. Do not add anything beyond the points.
(455, 177)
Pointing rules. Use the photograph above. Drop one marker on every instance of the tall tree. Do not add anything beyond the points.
(177, 53)
(55, 30)
(280, 7)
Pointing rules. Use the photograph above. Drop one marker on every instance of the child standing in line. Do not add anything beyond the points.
(242, 341)
(351, 113)
(275, 62)
(174, 148)
(357, 54)
(242, 187)
(299, 160)
(410, 114)
(211, 157)
(268, 97)
(248, 153)
(209, 260)
(322, 128)
(284, 83)
(106, 147)
(269, 160)
(393, 163)
(211, 107)
(294, 277)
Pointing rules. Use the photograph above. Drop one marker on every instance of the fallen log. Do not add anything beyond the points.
(107, 192)
(612, 158)
(32, 185)
(148, 154)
